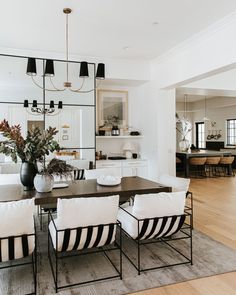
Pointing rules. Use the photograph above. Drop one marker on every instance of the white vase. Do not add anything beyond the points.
(43, 183)
(184, 145)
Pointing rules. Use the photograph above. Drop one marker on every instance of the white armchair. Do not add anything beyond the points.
(17, 235)
(156, 218)
(81, 224)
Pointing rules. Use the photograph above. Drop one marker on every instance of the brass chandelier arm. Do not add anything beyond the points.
(85, 91)
(55, 88)
(44, 88)
(78, 90)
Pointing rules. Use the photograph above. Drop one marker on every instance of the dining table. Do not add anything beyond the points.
(128, 187)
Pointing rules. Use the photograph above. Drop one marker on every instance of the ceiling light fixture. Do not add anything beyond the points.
(35, 110)
(49, 68)
(205, 118)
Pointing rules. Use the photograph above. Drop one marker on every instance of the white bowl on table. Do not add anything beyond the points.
(109, 180)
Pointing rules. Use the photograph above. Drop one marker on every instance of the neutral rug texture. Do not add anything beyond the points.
(210, 258)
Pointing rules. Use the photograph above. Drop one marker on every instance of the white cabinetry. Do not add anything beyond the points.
(134, 167)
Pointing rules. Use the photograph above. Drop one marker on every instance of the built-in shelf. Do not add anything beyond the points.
(119, 136)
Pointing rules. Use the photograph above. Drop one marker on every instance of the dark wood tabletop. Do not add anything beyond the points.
(83, 188)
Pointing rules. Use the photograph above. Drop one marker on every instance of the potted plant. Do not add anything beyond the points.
(30, 150)
(44, 180)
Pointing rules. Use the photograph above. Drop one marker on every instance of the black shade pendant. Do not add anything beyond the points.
(26, 103)
(100, 71)
(83, 70)
(35, 104)
(51, 105)
(31, 67)
(60, 104)
(49, 68)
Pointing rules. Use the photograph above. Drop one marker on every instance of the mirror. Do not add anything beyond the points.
(75, 122)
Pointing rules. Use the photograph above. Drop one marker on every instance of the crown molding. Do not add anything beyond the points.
(205, 34)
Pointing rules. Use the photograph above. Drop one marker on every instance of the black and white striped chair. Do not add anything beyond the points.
(18, 237)
(77, 174)
(178, 184)
(156, 218)
(81, 224)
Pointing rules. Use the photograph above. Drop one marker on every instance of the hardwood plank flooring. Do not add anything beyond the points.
(214, 215)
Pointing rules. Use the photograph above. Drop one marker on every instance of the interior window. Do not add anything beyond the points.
(200, 135)
(231, 131)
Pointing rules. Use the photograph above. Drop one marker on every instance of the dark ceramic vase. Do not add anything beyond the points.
(27, 173)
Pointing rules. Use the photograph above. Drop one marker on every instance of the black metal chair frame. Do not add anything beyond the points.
(58, 255)
(186, 235)
(33, 261)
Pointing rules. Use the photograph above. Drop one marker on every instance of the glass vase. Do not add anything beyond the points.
(184, 145)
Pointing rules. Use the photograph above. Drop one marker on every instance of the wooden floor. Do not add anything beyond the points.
(214, 215)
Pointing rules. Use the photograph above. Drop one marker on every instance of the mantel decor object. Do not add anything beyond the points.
(128, 148)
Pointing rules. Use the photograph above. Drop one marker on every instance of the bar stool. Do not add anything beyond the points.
(212, 165)
(178, 161)
(197, 165)
(226, 165)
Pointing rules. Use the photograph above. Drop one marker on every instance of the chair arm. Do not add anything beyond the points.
(129, 213)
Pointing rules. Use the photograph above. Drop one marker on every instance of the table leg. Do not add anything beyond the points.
(186, 167)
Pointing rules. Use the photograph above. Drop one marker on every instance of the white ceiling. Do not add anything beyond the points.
(196, 94)
(104, 27)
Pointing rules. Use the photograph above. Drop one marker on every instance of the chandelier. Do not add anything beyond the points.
(36, 110)
(49, 69)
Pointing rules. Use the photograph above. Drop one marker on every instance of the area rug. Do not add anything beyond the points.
(210, 258)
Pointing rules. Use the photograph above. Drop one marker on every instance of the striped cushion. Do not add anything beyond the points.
(82, 238)
(150, 228)
(160, 227)
(16, 247)
(79, 174)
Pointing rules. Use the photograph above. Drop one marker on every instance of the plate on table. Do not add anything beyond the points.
(60, 185)
(109, 180)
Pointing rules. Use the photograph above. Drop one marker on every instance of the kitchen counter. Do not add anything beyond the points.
(184, 157)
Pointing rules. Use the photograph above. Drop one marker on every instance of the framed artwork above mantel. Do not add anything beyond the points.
(112, 108)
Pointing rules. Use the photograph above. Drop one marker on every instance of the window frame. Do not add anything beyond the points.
(228, 136)
(203, 141)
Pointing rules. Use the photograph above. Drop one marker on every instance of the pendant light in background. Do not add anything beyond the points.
(205, 118)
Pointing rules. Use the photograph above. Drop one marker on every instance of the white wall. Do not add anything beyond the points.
(218, 111)
(137, 99)
(209, 52)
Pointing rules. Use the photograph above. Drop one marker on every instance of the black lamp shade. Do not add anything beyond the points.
(35, 104)
(100, 71)
(26, 103)
(60, 104)
(49, 68)
(31, 67)
(51, 105)
(83, 70)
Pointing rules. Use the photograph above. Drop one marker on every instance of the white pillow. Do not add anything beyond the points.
(87, 211)
(16, 218)
(178, 184)
(159, 205)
